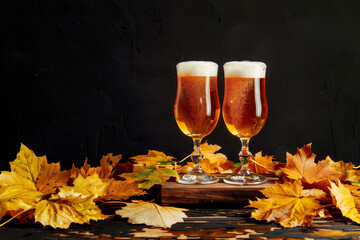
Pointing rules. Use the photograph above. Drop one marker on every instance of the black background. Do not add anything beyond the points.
(85, 78)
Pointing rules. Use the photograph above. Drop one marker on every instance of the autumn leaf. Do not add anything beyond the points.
(104, 171)
(347, 201)
(15, 197)
(120, 168)
(34, 171)
(121, 190)
(60, 212)
(262, 164)
(212, 162)
(27, 164)
(302, 166)
(286, 205)
(152, 158)
(12, 179)
(87, 186)
(152, 214)
(149, 176)
(50, 178)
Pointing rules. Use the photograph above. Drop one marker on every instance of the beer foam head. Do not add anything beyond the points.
(245, 69)
(197, 68)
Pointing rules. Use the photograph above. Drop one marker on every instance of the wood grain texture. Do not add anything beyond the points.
(175, 193)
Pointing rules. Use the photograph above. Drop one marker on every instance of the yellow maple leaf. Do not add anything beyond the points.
(347, 201)
(286, 205)
(12, 179)
(88, 186)
(27, 164)
(152, 214)
(15, 197)
(61, 210)
(152, 158)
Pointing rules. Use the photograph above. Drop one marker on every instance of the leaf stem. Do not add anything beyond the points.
(261, 165)
(185, 158)
(1, 225)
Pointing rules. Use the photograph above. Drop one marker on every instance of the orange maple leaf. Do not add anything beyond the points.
(121, 190)
(302, 166)
(105, 170)
(287, 204)
(262, 164)
(213, 162)
(51, 177)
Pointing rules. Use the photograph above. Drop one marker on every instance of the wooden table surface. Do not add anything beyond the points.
(203, 222)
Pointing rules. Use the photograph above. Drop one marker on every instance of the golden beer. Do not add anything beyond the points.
(197, 106)
(244, 115)
(245, 111)
(197, 111)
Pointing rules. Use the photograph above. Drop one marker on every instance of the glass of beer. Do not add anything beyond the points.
(197, 111)
(244, 111)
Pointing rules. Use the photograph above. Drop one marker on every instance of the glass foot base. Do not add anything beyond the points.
(247, 178)
(197, 178)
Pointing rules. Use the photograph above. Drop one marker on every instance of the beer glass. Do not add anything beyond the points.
(244, 111)
(197, 111)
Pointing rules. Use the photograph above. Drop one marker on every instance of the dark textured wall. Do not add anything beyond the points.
(87, 77)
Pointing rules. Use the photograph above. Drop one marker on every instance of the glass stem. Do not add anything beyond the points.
(197, 156)
(244, 154)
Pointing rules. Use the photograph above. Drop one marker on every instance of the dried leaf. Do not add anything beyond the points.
(348, 202)
(152, 158)
(149, 176)
(262, 164)
(27, 164)
(121, 190)
(51, 177)
(88, 186)
(286, 205)
(212, 162)
(61, 212)
(15, 197)
(12, 179)
(152, 214)
(302, 166)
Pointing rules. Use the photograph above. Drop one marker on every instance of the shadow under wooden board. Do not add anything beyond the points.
(174, 193)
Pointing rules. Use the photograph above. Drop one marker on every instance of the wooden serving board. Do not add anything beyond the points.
(175, 193)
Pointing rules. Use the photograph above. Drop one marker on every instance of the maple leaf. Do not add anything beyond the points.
(35, 172)
(121, 190)
(302, 166)
(152, 214)
(50, 178)
(107, 165)
(286, 205)
(27, 164)
(61, 210)
(149, 176)
(212, 162)
(347, 201)
(153, 158)
(262, 164)
(15, 197)
(120, 168)
(87, 186)
(12, 179)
